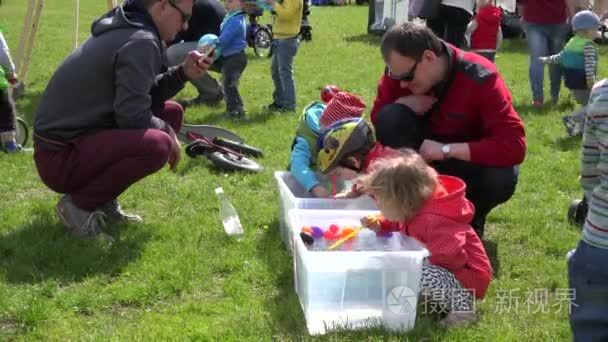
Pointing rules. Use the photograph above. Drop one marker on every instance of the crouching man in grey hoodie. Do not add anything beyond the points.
(104, 121)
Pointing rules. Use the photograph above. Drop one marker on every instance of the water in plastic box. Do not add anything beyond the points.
(367, 240)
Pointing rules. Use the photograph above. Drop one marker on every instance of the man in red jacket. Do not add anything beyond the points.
(455, 109)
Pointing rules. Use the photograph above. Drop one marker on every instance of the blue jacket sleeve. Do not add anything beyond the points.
(300, 164)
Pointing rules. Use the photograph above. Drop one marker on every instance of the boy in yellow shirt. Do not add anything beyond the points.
(285, 29)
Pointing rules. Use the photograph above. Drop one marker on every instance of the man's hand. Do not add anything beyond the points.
(196, 64)
(176, 152)
(420, 104)
(320, 192)
(430, 150)
(372, 222)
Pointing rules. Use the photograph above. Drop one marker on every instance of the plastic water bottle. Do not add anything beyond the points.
(230, 219)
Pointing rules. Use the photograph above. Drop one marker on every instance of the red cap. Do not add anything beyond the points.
(343, 105)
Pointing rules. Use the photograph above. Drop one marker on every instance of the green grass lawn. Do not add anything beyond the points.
(178, 276)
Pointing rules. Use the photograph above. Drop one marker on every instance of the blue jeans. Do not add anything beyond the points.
(545, 40)
(284, 51)
(589, 279)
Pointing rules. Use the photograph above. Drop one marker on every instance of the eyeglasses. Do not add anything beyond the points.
(185, 16)
(406, 77)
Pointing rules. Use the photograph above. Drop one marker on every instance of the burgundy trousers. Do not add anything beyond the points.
(96, 168)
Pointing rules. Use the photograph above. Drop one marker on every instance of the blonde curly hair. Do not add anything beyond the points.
(400, 184)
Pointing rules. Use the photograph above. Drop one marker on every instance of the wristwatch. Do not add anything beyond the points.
(446, 151)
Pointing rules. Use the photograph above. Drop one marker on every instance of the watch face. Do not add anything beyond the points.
(445, 148)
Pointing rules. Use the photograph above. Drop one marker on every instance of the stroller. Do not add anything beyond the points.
(259, 36)
(600, 7)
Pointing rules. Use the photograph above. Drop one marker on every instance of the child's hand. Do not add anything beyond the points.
(320, 192)
(347, 195)
(12, 79)
(372, 222)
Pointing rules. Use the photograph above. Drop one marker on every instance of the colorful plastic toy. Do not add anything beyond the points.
(348, 234)
(317, 232)
(307, 230)
(333, 233)
(307, 239)
(384, 233)
(328, 92)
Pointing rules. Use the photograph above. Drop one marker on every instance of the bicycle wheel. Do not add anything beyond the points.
(195, 149)
(207, 131)
(229, 162)
(21, 132)
(239, 147)
(262, 42)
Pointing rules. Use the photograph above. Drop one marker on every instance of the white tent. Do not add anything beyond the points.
(509, 5)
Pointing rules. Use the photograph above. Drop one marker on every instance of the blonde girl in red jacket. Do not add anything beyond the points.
(433, 209)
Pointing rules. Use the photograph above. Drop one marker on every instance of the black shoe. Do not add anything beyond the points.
(214, 102)
(274, 107)
(577, 212)
(185, 103)
(198, 101)
(237, 115)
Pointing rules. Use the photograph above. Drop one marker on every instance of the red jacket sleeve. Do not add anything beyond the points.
(390, 226)
(387, 93)
(504, 142)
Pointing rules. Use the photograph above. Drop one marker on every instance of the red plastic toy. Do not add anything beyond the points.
(333, 233)
(328, 92)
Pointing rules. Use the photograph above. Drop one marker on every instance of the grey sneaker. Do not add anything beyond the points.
(458, 318)
(114, 212)
(81, 223)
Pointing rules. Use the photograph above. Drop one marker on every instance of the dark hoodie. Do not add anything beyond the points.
(114, 80)
(207, 15)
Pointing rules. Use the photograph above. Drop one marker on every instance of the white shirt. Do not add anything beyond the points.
(467, 5)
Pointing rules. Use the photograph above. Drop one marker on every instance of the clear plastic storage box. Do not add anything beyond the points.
(354, 290)
(293, 196)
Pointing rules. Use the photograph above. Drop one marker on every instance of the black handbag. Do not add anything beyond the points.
(511, 25)
(430, 9)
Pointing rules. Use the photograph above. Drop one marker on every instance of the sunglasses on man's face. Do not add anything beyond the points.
(185, 16)
(406, 77)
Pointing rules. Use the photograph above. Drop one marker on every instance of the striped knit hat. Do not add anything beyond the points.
(343, 105)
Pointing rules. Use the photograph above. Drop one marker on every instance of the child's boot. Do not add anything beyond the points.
(577, 212)
(9, 144)
(570, 125)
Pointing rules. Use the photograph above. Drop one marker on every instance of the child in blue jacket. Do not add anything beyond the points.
(233, 61)
(315, 118)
